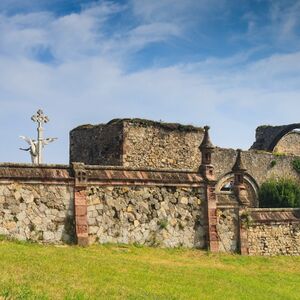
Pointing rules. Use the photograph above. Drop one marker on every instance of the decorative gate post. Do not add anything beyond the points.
(207, 171)
(80, 204)
(239, 186)
(241, 194)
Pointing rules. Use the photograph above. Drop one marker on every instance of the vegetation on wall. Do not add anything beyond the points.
(278, 193)
(296, 165)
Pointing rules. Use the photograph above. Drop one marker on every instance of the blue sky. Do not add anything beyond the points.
(231, 64)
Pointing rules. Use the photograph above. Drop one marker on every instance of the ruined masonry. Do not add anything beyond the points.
(157, 184)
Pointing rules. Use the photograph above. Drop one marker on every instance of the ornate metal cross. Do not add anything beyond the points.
(36, 146)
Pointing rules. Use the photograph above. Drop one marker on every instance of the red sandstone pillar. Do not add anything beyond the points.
(239, 187)
(207, 171)
(243, 232)
(241, 194)
(80, 204)
(213, 238)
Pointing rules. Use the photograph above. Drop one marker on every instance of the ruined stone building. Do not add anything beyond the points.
(159, 184)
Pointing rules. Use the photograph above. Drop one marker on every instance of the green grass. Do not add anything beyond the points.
(32, 271)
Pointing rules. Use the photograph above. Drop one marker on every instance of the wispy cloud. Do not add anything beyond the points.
(277, 26)
(75, 66)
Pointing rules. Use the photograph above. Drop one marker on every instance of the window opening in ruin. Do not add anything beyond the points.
(227, 187)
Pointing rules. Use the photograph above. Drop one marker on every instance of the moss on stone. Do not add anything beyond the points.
(164, 125)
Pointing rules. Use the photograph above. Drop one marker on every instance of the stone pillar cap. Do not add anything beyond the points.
(239, 166)
(206, 143)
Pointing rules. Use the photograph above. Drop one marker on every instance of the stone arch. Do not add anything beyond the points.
(287, 129)
(250, 183)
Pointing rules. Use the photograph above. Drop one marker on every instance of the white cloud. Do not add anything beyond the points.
(277, 27)
(175, 10)
(89, 84)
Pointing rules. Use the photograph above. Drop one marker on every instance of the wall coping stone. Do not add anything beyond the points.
(275, 215)
(40, 173)
(262, 209)
(102, 175)
(29, 165)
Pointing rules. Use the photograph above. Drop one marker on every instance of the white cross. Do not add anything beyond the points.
(36, 146)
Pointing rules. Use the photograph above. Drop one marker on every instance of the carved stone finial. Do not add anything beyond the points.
(206, 143)
(239, 185)
(206, 148)
(239, 166)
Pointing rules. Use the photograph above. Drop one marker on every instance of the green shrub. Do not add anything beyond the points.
(273, 163)
(279, 193)
(279, 154)
(296, 165)
(162, 223)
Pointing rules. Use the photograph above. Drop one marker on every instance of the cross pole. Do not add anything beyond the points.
(40, 119)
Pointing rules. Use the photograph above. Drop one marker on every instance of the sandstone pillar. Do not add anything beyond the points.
(207, 171)
(80, 204)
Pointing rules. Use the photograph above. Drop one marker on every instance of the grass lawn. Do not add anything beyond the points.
(32, 271)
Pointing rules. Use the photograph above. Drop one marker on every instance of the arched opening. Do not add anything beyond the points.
(225, 192)
(285, 132)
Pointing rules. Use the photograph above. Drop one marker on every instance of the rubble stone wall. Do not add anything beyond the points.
(274, 232)
(274, 239)
(137, 143)
(37, 212)
(289, 144)
(227, 227)
(260, 165)
(97, 145)
(156, 216)
(156, 145)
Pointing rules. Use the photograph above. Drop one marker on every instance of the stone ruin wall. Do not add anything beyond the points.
(170, 212)
(260, 165)
(267, 138)
(97, 145)
(137, 143)
(162, 146)
(153, 216)
(289, 144)
(133, 204)
(34, 207)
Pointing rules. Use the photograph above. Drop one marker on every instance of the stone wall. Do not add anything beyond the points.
(289, 144)
(228, 229)
(260, 165)
(274, 232)
(267, 137)
(159, 145)
(154, 192)
(37, 212)
(36, 203)
(97, 145)
(170, 213)
(137, 143)
(104, 204)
